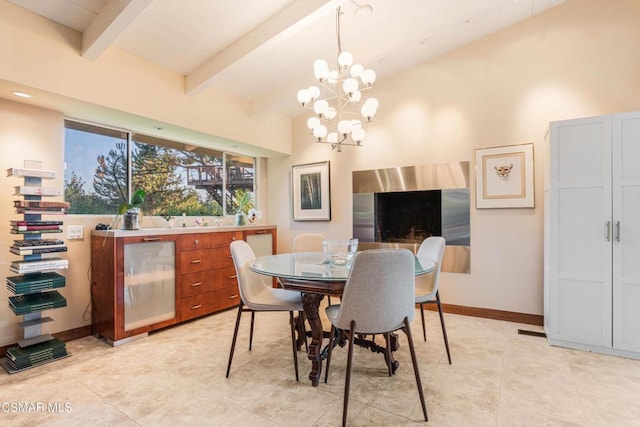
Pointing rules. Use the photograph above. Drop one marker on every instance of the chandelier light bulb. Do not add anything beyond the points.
(303, 96)
(331, 113)
(345, 59)
(332, 137)
(355, 96)
(369, 108)
(356, 124)
(320, 69)
(358, 135)
(321, 107)
(368, 76)
(356, 70)
(314, 92)
(320, 132)
(350, 85)
(313, 122)
(344, 127)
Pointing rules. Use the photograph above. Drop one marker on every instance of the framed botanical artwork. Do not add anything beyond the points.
(311, 192)
(504, 177)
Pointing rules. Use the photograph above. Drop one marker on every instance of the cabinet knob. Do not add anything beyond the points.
(233, 277)
(195, 242)
(195, 261)
(195, 307)
(233, 296)
(196, 284)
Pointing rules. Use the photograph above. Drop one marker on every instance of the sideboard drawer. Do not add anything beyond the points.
(194, 261)
(225, 298)
(199, 283)
(226, 277)
(225, 239)
(196, 306)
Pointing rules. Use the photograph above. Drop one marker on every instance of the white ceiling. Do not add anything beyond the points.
(263, 50)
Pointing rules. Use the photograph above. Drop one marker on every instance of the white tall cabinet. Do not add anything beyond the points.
(592, 234)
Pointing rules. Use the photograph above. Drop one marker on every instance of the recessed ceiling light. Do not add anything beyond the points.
(21, 94)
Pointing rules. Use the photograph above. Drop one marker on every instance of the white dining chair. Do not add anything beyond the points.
(308, 242)
(431, 249)
(257, 295)
(378, 298)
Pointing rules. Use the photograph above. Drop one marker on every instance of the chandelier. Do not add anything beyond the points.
(335, 103)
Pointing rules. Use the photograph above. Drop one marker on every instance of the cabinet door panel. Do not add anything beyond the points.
(626, 245)
(580, 232)
(580, 319)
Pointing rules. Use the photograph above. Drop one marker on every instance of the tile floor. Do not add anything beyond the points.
(176, 377)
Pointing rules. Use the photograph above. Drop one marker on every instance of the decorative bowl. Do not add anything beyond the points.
(340, 252)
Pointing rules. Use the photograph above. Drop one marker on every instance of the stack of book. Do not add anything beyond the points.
(35, 227)
(31, 303)
(39, 207)
(35, 282)
(37, 246)
(39, 265)
(21, 358)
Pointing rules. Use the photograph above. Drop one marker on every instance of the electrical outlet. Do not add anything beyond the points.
(75, 232)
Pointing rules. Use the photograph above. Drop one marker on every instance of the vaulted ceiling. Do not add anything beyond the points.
(263, 50)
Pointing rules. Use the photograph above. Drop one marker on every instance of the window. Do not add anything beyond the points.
(95, 176)
(177, 178)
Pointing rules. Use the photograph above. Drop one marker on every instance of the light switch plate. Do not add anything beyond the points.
(75, 232)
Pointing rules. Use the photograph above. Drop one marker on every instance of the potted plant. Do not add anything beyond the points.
(131, 211)
(244, 203)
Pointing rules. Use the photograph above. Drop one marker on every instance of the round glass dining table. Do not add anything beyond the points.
(314, 276)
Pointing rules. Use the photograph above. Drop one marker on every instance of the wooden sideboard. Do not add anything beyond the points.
(145, 280)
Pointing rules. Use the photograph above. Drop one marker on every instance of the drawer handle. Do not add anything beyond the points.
(152, 239)
(261, 232)
(235, 276)
(195, 307)
(195, 261)
(196, 284)
(233, 296)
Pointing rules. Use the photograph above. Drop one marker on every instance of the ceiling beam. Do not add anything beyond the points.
(280, 26)
(112, 21)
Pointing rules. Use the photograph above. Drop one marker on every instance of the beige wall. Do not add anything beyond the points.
(579, 59)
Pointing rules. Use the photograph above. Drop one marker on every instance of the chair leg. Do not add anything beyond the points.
(347, 381)
(235, 335)
(330, 350)
(416, 370)
(253, 314)
(424, 330)
(444, 329)
(387, 351)
(293, 343)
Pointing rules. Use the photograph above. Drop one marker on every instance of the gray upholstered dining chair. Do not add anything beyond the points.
(432, 249)
(378, 298)
(257, 295)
